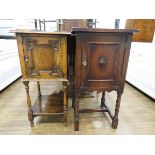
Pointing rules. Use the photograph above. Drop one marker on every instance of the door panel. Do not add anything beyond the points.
(102, 59)
(103, 64)
(45, 56)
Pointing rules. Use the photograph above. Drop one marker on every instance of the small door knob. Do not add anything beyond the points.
(26, 58)
(84, 61)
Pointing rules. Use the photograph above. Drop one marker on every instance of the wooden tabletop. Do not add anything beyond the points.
(39, 32)
(76, 29)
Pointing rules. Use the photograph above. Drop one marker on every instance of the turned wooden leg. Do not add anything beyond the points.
(73, 96)
(73, 101)
(115, 117)
(39, 91)
(65, 104)
(103, 100)
(76, 113)
(30, 112)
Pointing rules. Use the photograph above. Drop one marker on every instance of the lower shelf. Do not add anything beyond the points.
(48, 105)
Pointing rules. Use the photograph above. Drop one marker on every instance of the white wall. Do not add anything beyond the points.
(110, 23)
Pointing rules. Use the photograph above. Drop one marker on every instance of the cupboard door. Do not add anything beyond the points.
(102, 63)
(45, 56)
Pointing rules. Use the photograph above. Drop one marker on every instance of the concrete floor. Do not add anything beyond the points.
(137, 113)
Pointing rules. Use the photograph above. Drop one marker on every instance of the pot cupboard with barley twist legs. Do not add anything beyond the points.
(101, 60)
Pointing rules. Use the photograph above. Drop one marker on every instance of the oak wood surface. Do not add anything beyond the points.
(46, 104)
(21, 31)
(146, 29)
(43, 57)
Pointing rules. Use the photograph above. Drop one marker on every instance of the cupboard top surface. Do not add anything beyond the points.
(77, 30)
(40, 32)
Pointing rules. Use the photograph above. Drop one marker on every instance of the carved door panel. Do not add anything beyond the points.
(45, 56)
(102, 61)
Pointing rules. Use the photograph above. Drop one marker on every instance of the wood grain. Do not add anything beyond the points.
(146, 29)
(43, 57)
(100, 64)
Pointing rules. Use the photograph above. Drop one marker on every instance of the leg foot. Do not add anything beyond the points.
(103, 100)
(76, 114)
(39, 91)
(31, 118)
(32, 124)
(114, 123)
(115, 118)
(65, 103)
(65, 118)
(76, 126)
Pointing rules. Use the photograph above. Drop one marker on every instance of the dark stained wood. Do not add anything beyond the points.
(95, 30)
(48, 104)
(70, 63)
(101, 60)
(108, 110)
(105, 109)
(65, 102)
(76, 112)
(38, 86)
(103, 100)
(92, 110)
(115, 117)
